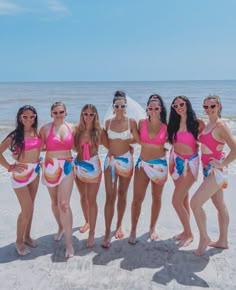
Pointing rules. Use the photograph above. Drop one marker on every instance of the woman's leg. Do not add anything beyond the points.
(179, 199)
(24, 217)
(82, 188)
(223, 220)
(64, 194)
(156, 207)
(53, 191)
(109, 205)
(121, 204)
(180, 236)
(140, 186)
(204, 193)
(92, 190)
(33, 187)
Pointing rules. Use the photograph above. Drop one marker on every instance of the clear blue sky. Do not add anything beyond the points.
(117, 40)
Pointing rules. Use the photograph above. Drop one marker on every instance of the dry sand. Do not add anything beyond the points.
(147, 265)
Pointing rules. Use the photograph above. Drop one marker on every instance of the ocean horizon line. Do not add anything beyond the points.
(114, 81)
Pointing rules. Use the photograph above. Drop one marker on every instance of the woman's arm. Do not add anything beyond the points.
(104, 138)
(3, 147)
(134, 131)
(225, 134)
(201, 125)
(42, 136)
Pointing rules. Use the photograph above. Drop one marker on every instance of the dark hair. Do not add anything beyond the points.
(192, 123)
(17, 135)
(218, 101)
(58, 104)
(119, 95)
(95, 131)
(157, 98)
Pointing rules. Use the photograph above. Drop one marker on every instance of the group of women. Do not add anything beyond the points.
(184, 131)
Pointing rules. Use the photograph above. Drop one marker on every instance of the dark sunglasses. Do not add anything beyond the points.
(90, 115)
(211, 106)
(155, 109)
(60, 112)
(28, 117)
(175, 106)
(119, 106)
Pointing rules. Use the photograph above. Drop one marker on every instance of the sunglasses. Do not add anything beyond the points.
(119, 106)
(175, 106)
(28, 117)
(60, 112)
(90, 115)
(154, 109)
(211, 106)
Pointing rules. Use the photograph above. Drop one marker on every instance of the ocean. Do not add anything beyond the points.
(76, 94)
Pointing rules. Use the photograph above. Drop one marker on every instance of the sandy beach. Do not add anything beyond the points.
(146, 265)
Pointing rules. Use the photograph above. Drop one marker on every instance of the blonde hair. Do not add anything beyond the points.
(95, 133)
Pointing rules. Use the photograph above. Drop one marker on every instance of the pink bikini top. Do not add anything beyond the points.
(53, 143)
(208, 140)
(85, 146)
(187, 138)
(32, 143)
(159, 139)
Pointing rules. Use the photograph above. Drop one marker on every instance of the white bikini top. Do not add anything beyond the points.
(119, 135)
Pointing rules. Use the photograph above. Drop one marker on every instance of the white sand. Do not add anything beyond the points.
(147, 265)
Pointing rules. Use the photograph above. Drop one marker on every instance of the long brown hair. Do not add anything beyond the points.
(95, 132)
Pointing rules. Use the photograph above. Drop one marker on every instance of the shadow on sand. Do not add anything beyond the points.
(46, 246)
(165, 257)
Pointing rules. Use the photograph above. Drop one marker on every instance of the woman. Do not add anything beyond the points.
(213, 138)
(151, 165)
(88, 137)
(118, 165)
(183, 128)
(25, 144)
(58, 173)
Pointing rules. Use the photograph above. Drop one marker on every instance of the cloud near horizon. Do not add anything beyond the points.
(10, 7)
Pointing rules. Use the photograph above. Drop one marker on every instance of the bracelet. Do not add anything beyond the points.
(11, 167)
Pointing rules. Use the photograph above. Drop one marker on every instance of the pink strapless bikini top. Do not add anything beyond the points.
(32, 143)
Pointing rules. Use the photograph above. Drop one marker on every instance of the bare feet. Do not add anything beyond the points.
(69, 252)
(153, 235)
(119, 233)
(179, 236)
(22, 250)
(84, 228)
(107, 241)
(186, 241)
(203, 243)
(90, 241)
(58, 235)
(132, 238)
(30, 242)
(218, 244)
